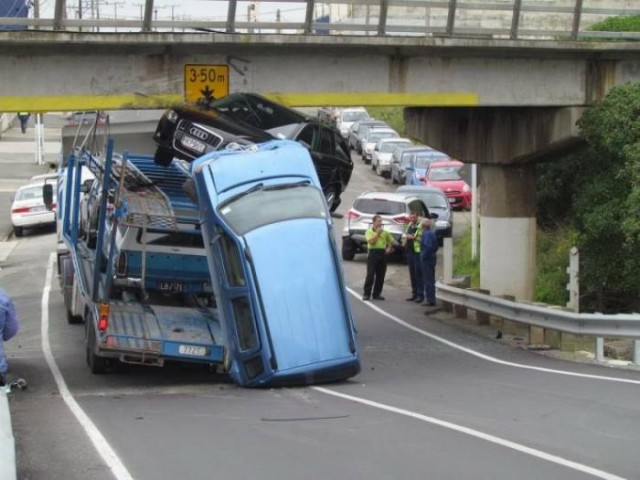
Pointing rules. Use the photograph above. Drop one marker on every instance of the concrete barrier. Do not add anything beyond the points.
(7, 444)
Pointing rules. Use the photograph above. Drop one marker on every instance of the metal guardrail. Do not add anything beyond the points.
(511, 19)
(547, 317)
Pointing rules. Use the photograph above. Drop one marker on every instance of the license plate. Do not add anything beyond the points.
(453, 200)
(193, 144)
(175, 287)
(41, 208)
(192, 350)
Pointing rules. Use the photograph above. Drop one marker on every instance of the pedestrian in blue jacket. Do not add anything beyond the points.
(428, 250)
(8, 329)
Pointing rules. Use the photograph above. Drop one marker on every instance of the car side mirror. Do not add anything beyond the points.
(433, 216)
(47, 195)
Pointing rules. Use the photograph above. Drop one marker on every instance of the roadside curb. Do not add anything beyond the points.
(7, 443)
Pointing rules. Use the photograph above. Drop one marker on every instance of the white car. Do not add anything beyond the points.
(369, 142)
(382, 152)
(28, 208)
(348, 116)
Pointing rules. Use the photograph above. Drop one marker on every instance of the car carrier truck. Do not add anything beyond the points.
(151, 285)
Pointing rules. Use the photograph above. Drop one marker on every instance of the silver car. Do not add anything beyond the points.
(394, 209)
(381, 159)
(372, 137)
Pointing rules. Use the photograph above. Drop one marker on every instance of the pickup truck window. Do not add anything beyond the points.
(172, 238)
(273, 204)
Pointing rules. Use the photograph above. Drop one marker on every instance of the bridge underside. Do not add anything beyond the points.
(53, 71)
(507, 142)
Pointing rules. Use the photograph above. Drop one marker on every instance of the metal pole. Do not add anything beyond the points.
(447, 258)
(35, 139)
(148, 15)
(577, 13)
(474, 211)
(515, 19)
(451, 17)
(58, 15)
(80, 14)
(382, 21)
(231, 16)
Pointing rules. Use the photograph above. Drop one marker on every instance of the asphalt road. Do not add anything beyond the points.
(433, 401)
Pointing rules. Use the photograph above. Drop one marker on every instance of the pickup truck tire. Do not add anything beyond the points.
(348, 249)
(97, 364)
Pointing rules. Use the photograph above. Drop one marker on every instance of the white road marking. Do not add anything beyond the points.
(101, 445)
(487, 357)
(477, 434)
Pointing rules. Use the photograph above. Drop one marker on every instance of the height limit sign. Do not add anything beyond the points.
(203, 83)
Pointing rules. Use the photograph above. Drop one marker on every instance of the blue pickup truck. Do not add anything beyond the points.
(275, 267)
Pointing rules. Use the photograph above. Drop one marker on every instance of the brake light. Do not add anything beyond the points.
(103, 318)
(20, 210)
(352, 214)
(402, 219)
(121, 265)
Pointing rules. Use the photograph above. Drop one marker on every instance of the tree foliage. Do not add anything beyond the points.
(598, 190)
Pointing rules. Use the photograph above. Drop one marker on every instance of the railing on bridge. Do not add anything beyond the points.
(509, 19)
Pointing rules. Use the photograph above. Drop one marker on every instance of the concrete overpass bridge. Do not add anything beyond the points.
(501, 97)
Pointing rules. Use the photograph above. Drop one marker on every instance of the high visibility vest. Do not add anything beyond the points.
(415, 244)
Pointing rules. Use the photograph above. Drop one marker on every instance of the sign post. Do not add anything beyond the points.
(203, 83)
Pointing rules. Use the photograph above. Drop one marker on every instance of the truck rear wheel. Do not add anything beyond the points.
(348, 249)
(97, 364)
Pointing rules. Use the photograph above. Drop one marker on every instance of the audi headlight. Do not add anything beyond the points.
(171, 116)
(466, 188)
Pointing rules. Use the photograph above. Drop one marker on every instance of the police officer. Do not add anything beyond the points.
(379, 243)
(428, 250)
(411, 243)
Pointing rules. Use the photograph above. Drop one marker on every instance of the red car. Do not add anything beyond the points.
(446, 176)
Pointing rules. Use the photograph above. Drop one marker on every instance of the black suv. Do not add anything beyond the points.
(188, 132)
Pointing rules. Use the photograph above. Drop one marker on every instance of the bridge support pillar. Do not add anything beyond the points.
(508, 229)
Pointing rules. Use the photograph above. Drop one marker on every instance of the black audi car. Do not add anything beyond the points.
(189, 131)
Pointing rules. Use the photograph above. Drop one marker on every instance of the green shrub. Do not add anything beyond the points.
(618, 24)
(552, 260)
(463, 265)
(393, 116)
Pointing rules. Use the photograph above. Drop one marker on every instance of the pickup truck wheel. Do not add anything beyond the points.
(348, 249)
(97, 364)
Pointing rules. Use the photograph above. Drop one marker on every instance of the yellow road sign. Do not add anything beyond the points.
(205, 82)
